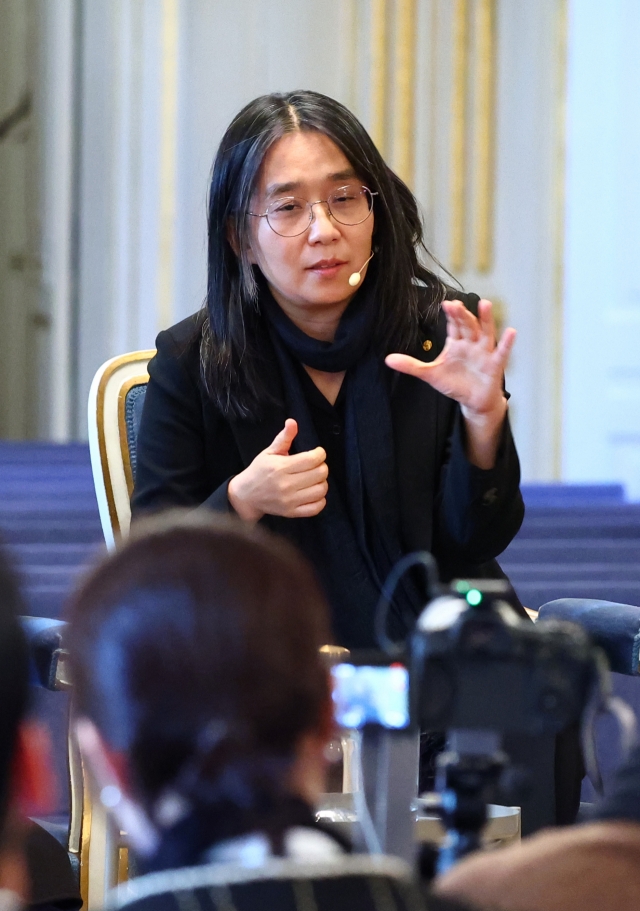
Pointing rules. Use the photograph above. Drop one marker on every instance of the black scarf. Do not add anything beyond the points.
(352, 545)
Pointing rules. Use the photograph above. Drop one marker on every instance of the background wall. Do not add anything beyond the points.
(23, 318)
(483, 106)
(601, 370)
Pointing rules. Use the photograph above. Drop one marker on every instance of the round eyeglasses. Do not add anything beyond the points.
(289, 216)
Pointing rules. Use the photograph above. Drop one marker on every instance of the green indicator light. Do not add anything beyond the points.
(474, 597)
(462, 587)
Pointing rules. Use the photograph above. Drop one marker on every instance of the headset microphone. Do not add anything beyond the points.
(355, 278)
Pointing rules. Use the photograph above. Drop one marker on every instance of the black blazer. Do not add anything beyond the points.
(188, 451)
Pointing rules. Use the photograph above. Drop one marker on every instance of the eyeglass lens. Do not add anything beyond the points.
(291, 215)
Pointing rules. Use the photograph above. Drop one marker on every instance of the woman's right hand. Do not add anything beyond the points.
(279, 484)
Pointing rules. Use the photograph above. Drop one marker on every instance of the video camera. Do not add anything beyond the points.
(477, 671)
(475, 664)
(471, 663)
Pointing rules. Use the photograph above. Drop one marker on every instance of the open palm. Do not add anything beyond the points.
(471, 366)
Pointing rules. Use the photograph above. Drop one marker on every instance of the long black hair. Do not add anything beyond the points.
(230, 356)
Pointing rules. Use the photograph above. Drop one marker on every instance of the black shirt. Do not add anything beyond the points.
(328, 421)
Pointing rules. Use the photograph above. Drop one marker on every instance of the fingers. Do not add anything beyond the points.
(461, 323)
(306, 502)
(450, 308)
(485, 319)
(305, 479)
(302, 461)
(403, 363)
(309, 509)
(306, 461)
(282, 443)
(311, 494)
(505, 346)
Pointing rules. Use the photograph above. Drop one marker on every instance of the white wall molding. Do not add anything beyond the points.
(161, 80)
(56, 207)
(602, 277)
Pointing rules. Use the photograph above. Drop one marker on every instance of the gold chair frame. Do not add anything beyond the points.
(110, 459)
(103, 857)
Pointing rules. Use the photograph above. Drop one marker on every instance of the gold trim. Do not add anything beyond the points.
(459, 133)
(485, 128)
(168, 155)
(76, 787)
(378, 72)
(85, 841)
(560, 56)
(123, 864)
(104, 460)
(350, 10)
(116, 364)
(404, 100)
(124, 390)
(435, 140)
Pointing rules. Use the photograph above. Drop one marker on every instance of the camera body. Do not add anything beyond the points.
(475, 664)
(477, 671)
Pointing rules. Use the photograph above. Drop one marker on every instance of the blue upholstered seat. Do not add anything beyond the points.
(615, 627)
(134, 401)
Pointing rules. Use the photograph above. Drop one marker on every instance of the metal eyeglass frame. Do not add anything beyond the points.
(310, 205)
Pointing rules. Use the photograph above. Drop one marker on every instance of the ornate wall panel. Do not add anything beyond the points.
(462, 97)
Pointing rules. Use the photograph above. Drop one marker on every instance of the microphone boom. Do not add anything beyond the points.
(355, 278)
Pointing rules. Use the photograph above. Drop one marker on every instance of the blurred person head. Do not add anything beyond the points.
(202, 702)
(305, 146)
(588, 867)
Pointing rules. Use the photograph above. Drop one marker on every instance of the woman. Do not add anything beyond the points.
(204, 713)
(329, 389)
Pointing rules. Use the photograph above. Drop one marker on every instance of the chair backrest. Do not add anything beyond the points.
(115, 406)
(344, 883)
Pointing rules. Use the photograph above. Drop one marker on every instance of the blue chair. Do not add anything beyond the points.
(49, 670)
(96, 853)
(616, 629)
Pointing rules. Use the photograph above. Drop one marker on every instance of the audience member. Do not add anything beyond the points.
(589, 867)
(204, 712)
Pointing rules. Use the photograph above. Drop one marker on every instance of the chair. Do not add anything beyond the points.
(357, 882)
(614, 627)
(115, 407)
(49, 670)
(95, 850)
(114, 410)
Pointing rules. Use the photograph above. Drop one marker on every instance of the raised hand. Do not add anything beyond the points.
(469, 369)
(279, 484)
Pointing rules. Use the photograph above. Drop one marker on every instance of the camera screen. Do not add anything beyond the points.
(366, 694)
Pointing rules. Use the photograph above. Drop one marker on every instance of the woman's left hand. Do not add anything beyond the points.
(469, 369)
